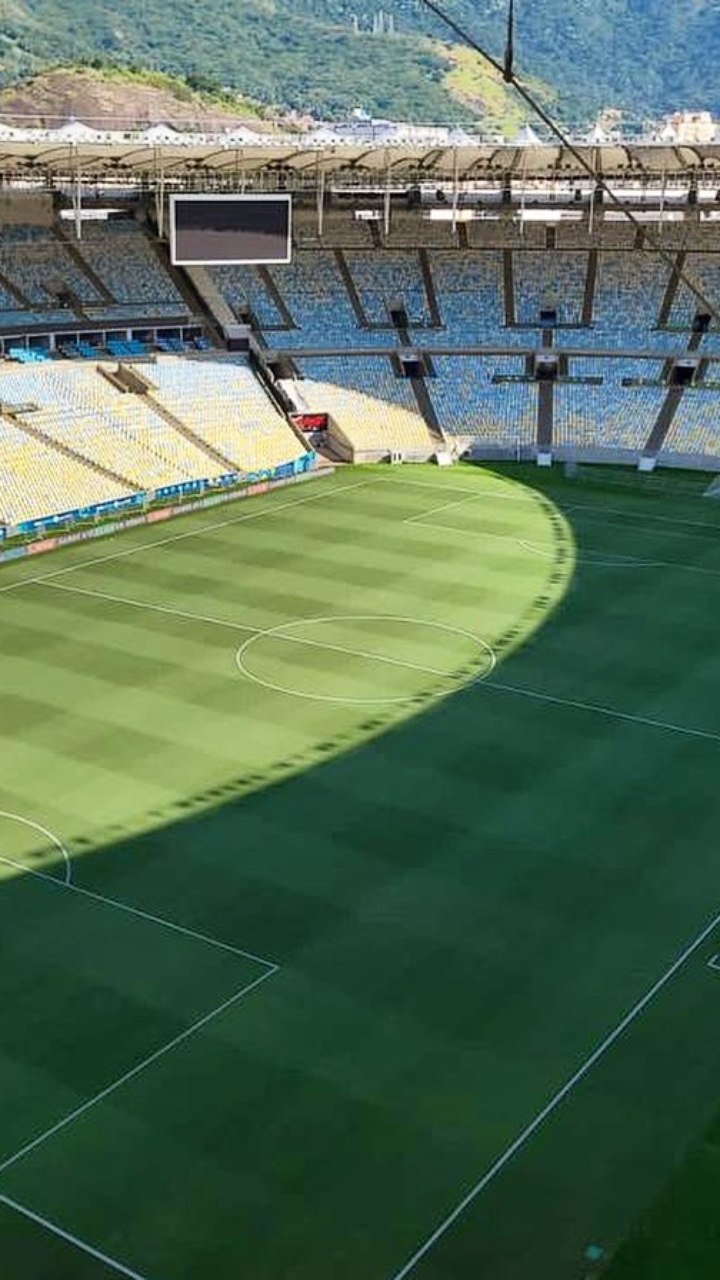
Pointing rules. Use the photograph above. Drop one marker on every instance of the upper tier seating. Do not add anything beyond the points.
(51, 286)
(319, 303)
(242, 287)
(41, 267)
(385, 275)
(469, 290)
(555, 280)
(628, 296)
(315, 295)
(121, 256)
(704, 270)
(629, 291)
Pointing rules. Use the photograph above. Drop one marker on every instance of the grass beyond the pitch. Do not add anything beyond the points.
(284, 732)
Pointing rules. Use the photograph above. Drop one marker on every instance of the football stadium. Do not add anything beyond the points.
(359, 544)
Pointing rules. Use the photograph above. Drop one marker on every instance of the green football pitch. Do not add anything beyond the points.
(359, 887)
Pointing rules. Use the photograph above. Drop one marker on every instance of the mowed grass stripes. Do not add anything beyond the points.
(285, 732)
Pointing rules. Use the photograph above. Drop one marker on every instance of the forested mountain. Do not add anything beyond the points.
(644, 56)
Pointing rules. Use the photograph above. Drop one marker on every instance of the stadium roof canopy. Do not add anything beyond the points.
(61, 154)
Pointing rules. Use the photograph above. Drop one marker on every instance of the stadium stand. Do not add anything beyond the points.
(705, 268)
(315, 294)
(384, 276)
(549, 280)
(373, 412)
(605, 417)
(37, 480)
(316, 298)
(121, 256)
(111, 276)
(476, 411)
(695, 429)
(629, 293)
(243, 289)
(469, 289)
(71, 439)
(226, 406)
(41, 268)
(118, 431)
(206, 417)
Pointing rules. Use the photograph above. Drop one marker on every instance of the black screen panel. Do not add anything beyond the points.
(229, 229)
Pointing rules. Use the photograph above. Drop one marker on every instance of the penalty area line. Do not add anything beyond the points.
(425, 520)
(134, 1072)
(633, 513)
(117, 905)
(69, 1238)
(558, 1098)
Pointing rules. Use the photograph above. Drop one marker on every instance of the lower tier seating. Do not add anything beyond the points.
(469, 404)
(373, 409)
(37, 480)
(69, 439)
(608, 417)
(225, 405)
(695, 428)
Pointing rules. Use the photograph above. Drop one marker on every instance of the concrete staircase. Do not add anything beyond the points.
(78, 258)
(225, 464)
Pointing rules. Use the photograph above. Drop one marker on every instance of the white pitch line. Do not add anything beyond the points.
(146, 604)
(649, 515)
(189, 533)
(446, 506)
(257, 631)
(49, 835)
(620, 562)
(633, 513)
(69, 1238)
(648, 721)
(422, 521)
(624, 562)
(134, 1072)
(137, 911)
(557, 1099)
(276, 632)
(357, 653)
(478, 492)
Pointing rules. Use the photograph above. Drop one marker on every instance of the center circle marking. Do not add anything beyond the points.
(49, 835)
(278, 631)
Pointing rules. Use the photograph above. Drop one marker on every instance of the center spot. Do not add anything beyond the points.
(364, 659)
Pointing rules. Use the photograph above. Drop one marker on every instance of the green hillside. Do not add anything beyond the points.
(642, 55)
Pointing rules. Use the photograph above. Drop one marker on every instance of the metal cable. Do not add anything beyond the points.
(508, 74)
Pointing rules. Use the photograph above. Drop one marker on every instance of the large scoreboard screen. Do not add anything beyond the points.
(207, 230)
